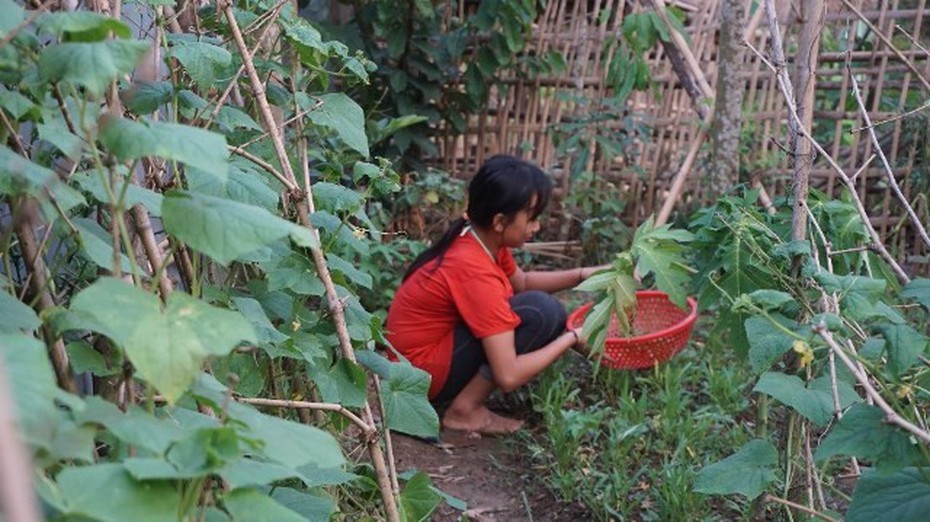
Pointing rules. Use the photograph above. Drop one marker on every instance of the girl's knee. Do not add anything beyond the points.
(549, 309)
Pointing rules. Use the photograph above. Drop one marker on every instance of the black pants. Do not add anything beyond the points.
(542, 319)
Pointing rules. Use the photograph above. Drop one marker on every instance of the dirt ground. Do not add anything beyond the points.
(491, 474)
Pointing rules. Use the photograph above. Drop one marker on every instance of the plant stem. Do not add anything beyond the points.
(799, 507)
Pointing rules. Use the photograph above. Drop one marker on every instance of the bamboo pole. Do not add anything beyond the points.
(335, 305)
(17, 498)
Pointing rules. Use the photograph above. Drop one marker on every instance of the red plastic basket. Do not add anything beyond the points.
(660, 330)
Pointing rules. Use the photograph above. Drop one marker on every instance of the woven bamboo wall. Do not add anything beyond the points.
(522, 112)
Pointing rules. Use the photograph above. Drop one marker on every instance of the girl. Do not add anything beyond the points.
(469, 316)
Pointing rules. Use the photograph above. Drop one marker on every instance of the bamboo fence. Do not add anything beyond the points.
(887, 44)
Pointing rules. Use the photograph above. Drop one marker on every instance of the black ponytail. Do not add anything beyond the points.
(503, 185)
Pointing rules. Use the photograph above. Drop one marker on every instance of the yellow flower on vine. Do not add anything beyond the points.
(804, 351)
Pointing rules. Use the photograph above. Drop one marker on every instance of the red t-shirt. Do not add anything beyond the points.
(468, 286)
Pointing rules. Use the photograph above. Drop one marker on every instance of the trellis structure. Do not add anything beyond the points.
(887, 55)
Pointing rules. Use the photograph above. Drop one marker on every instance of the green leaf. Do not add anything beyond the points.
(864, 433)
(768, 342)
(902, 497)
(312, 506)
(224, 229)
(657, 251)
(19, 176)
(343, 382)
(904, 346)
(97, 244)
(813, 400)
(92, 182)
(17, 317)
(341, 114)
(249, 472)
(404, 395)
(166, 347)
(236, 183)
(84, 26)
(130, 140)
(84, 358)
(35, 390)
(248, 505)
(108, 493)
(203, 61)
(289, 443)
(747, 472)
(918, 290)
(770, 299)
(417, 499)
(56, 132)
(145, 98)
(90, 65)
(15, 103)
(347, 269)
(336, 198)
(11, 15)
(135, 426)
(296, 273)
(252, 310)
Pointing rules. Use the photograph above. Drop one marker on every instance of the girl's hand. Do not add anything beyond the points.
(580, 341)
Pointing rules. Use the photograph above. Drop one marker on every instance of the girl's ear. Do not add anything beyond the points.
(499, 223)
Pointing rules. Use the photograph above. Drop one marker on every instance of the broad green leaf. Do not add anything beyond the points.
(404, 395)
(29, 375)
(56, 132)
(335, 198)
(902, 497)
(130, 140)
(166, 347)
(205, 450)
(454, 502)
(97, 244)
(234, 182)
(224, 229)
(657, 251)
(151, 468)
(918, 290)
(417, 499)
(20, 176)
(342, 382)
(814, 400)
(347, 269)
(864, 433)
(203, 61)
(251, 371)
(107, 492)
(15, 103)
(904, 346)
(135, 426)
(90, 65)
(768, 342)
(312, 506)
(84, 358)
(747, 472)
(770, 299)
(247, 472)
(289, 443)
(145, 98)
(324, 221)
(92, 182)
(296, 273)
(341, 114)
(17, 316)
(249, 505)
(252, 310)
(597, 282)
(11, 15)
(84, 26)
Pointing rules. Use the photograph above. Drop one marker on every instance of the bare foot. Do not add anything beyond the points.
(481, 420)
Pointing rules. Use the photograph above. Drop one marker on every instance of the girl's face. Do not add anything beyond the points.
(521, 228)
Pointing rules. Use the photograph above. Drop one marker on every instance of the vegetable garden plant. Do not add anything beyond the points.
(190, 231)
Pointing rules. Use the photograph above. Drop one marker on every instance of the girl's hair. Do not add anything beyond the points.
(503, 185)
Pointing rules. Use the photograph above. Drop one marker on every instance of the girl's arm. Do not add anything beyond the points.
(511, 370)
(551, 281)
